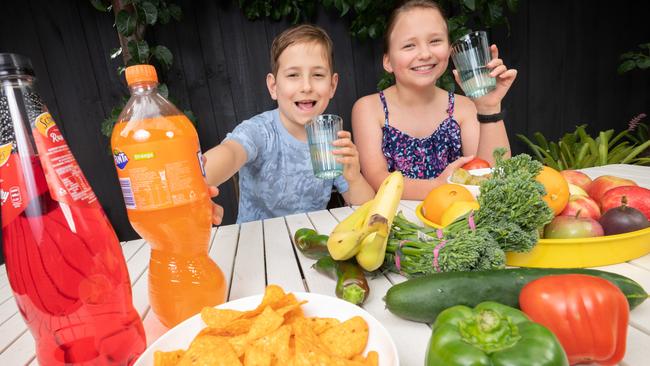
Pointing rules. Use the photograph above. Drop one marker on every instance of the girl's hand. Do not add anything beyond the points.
(491, 102)
(349, 156)
(451, 168)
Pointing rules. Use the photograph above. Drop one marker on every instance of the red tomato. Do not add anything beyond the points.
(476, 163)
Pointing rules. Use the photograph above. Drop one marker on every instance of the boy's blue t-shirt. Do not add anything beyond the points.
(277, 178)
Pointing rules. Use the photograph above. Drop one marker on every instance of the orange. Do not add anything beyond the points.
(456, 210)
(440, 198)
(557, 189)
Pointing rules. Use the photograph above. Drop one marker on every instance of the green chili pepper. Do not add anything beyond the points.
(310, 243)
(351, 283)
(491, 334)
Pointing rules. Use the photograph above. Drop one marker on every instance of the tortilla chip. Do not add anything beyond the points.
(346, 339)
(265, 323)
(218, 318)
(161, 358)
(257, 356)
(319, 325)
(277, 343)
(210, 351)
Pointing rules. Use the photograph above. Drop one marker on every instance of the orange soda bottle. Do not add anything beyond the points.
(158, 161)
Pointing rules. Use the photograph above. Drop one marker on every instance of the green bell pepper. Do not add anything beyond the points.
(491, 334)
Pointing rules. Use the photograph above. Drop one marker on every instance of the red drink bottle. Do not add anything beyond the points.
(63, 259)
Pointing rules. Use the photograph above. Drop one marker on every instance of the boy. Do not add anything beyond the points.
(270, 150)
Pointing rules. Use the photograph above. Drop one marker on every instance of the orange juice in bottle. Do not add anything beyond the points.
(158, 161)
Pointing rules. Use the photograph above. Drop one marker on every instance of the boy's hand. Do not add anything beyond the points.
(217, 211)
(349, 156)
(491, 102)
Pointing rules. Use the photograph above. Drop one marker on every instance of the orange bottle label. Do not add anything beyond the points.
(160, 174)
(64, 177)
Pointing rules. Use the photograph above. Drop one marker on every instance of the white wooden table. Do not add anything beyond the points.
(258, 253)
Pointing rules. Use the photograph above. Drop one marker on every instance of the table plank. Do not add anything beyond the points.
(223, 249)
(410, 338)
(281, 266)
(314, 281)
(249, 276)
(637, 352)
(20, 352)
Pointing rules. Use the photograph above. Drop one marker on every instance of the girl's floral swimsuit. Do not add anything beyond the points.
(421, 158)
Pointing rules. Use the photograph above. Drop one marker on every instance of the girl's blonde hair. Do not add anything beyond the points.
(404, 7)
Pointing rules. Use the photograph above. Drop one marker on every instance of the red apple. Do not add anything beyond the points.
(637, 197)
(564, 227)
(604, 183)
(578, 178)
(581, 206)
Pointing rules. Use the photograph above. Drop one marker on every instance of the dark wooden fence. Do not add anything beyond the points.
(566, 52)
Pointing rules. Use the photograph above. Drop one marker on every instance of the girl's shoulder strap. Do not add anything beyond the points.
(450, 107)
(385, 105)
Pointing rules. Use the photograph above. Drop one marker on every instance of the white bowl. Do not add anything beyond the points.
(474, 190)
(379, 339)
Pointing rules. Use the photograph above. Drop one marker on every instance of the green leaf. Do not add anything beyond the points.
(602, 148)
(626, 66)
(163, 16)
(628, 55)
(541, 140)
(643, 63)
(645, 46)
(163, 90)
(175, 12)
(139, 51)
(495, 12)
(512, 5)
(534, 148)
(116, 52)
(637, 150)
(345, 8)
(470, 4)
(125, 23)
(100, 5)
(163, 55)
(150, 12)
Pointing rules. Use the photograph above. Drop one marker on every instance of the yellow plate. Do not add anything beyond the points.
(576, 253)
(420, 215)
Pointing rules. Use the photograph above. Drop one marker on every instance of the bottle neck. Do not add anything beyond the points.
(143, 88)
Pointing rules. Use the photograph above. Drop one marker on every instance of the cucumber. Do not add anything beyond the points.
(422, 299)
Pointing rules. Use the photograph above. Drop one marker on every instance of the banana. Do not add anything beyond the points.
(346, 237)
(380, 217)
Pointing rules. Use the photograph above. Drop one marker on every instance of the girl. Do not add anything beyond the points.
(416, 127)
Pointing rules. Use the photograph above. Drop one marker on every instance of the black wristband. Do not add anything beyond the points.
(491, 118)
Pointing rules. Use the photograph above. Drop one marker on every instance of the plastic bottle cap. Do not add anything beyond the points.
(141, 73)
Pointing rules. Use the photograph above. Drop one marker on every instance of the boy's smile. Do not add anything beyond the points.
(303, 86)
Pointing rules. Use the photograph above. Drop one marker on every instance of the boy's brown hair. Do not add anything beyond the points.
(304, 33)
(405, 6)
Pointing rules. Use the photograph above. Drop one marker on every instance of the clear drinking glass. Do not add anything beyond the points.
(321, 132)
(471, 54)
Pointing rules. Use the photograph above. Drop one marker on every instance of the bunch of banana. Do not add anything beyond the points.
(365, 232)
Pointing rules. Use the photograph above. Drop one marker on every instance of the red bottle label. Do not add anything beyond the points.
(64, 177)
(12, 186)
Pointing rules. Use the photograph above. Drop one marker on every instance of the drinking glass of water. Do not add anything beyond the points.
(321, 132)
(471, 54)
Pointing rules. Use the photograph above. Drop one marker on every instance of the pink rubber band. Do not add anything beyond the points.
(436, 252)
(398, 255)
(470, 220)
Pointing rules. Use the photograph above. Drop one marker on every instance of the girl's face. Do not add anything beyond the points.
(419, 49)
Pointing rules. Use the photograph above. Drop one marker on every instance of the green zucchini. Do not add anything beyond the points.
(422, 299)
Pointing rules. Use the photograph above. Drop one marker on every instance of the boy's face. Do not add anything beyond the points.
(419, 47)
(303, 85)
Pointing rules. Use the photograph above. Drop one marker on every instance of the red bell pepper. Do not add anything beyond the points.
(589, 315)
